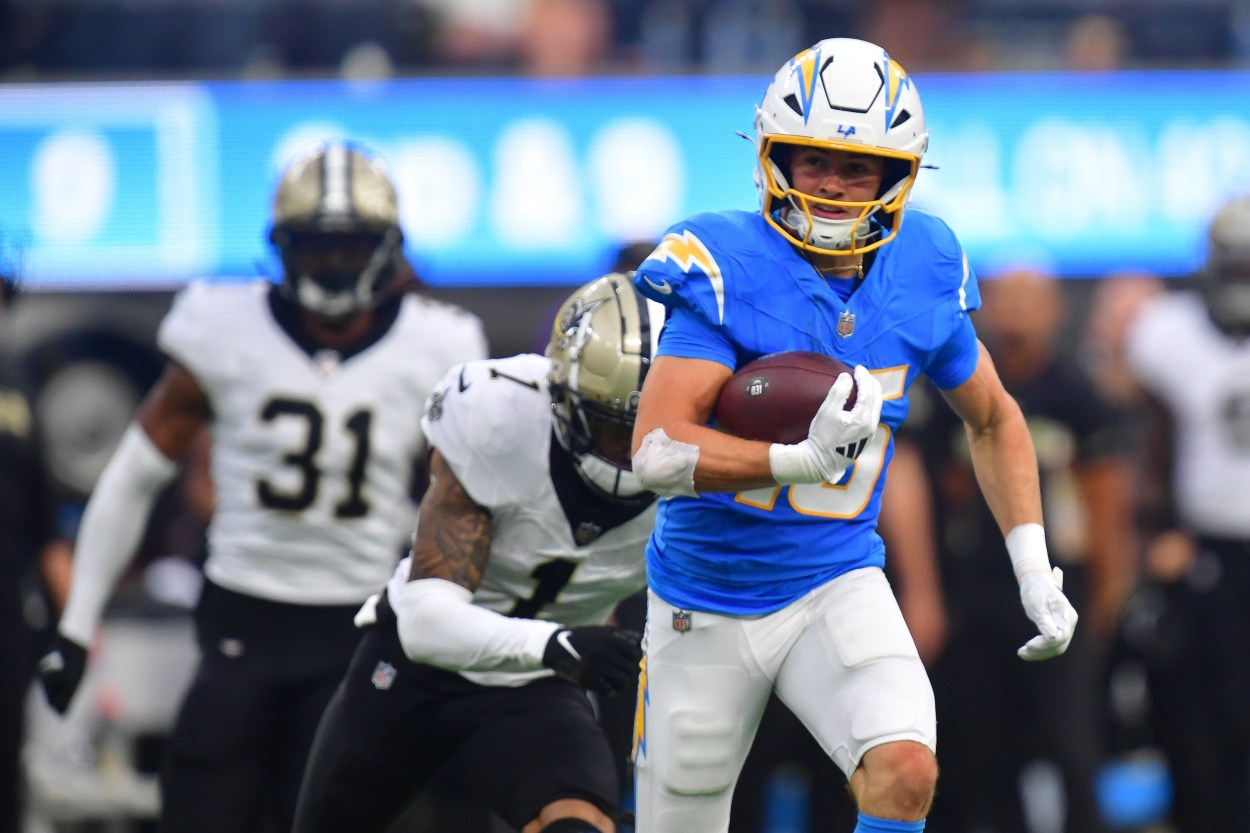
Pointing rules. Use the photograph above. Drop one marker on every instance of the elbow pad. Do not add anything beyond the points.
(666, 466)
(439, 625)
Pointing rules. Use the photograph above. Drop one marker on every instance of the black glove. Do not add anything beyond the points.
(60, 670)
(599, 657)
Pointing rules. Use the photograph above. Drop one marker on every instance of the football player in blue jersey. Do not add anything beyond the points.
(765, 567)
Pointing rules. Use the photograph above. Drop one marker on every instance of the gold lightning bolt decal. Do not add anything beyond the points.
(804, 66)
(688, 252)
(640, 714)
(896, 82)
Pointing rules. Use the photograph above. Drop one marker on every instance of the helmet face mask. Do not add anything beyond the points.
(1225, 277)
(594, 429)
(840, 95)
(600, 349)
(336, 229)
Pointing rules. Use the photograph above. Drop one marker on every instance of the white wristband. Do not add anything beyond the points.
(1026, 545)
(665, 465)
(792, 464)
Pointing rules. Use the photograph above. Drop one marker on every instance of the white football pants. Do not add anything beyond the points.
(841, 658)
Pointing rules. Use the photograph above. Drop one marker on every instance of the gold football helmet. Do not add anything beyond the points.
(336, 228)
(1225, 277)
(601, 347)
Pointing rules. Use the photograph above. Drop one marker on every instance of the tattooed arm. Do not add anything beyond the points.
(454, 533)
(438, 622)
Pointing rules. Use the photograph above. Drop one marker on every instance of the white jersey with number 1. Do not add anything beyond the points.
(549, 559)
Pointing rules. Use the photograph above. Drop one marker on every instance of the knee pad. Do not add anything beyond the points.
(702, 749)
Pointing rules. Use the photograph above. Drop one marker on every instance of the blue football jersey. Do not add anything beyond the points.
(736, 290)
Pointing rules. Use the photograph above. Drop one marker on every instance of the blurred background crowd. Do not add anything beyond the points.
(232, 38)
(1082, 745)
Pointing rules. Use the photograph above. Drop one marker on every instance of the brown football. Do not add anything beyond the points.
(775, 397)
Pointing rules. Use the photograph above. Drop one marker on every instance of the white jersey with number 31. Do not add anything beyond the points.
(312, 451)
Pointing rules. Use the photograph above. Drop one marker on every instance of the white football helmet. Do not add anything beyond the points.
(1225, 277)
(336, 228)
(602, 342)
(841, 94)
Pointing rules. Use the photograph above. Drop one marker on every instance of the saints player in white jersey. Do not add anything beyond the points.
(311, 390)
(483, 642)
(1191, 352)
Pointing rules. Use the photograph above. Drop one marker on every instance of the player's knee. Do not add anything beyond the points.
(916, 771)
(906, 772)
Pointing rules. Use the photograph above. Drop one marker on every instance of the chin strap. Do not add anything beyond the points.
(807, 230)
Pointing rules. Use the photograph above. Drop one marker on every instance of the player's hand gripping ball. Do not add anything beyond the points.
(775, 397)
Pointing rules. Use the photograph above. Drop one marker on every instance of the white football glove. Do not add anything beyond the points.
(1041, 593)
(836, 436)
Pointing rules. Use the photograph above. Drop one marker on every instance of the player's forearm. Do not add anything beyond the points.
(698, 460)
(112, 527)
(1006, 468)
(728, 463)
(675, 452)
(440, 626)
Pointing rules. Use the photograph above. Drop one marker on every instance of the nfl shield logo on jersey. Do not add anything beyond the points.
(383, 676)
(681, 620)
(846, 323)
